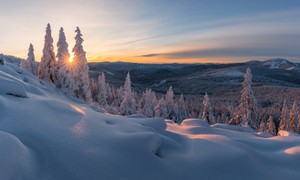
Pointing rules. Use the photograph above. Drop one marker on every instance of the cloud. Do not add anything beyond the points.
(149, 55)
(233, 53)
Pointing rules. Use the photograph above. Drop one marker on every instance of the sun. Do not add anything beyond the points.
(71, 58)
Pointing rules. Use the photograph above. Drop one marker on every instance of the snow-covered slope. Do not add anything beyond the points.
(279, 63)
(45, 135)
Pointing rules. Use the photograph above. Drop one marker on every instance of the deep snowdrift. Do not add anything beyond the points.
(45, 135)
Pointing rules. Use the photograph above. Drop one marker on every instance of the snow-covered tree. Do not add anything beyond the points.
(181, 109)
(161, 108)
(262, 126)
(47, 67)
(271, 128)
(170, 103)
(23, 64)
(147, 103)
(64, 67)
(30, 63)
(119, 95)
(284, 117)
(207, 112)
(101, 97)
(293, 118)
(94, 89)
(247, 113)
(80, 70)
(128, 104)
(111, 94)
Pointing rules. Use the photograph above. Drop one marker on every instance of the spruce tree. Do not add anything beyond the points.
(128, 104)
(181, 109)
(47, 67)
(101, 97)
(247, 113)
(80, 70)
(30, 63)
(64, 67)
(262, 126)
(161, 108)
(271, 128)
(170, 103)
(147, 103)
(284, 117)
(94, 89)
(207, 112)
(293, 118)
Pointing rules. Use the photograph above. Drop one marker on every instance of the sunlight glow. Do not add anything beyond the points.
(71, 57)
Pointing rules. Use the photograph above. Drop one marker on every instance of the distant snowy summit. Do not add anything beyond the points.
(278, 63)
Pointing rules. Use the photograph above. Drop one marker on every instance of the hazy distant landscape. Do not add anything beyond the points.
(196, 79)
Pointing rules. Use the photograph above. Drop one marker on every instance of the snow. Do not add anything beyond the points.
(234, 128)
(194, 122)
(287, 133)
(275, 63)
(51, 136)
(278, 63)
(290, 68)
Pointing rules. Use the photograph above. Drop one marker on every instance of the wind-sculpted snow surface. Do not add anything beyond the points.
(49, 136)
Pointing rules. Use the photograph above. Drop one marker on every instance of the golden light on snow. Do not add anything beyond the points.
(293, 150)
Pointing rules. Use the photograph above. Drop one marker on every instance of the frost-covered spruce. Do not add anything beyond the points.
(147, 103)
(29, 63)
(128, 104)
(94, 89)
(262, 126)
(161, 108)
(117, 97)
(247, 112)
(271, 128)
(207, 112)
(293, 118)
(64, 67)
(101, 96)
(170, 103)
(47, 67)
(80, 70)
(181, 109)
(284, 117)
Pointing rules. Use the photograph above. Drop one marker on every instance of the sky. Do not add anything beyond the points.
(157, 31)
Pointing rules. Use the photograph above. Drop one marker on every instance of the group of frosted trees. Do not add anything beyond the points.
(289, 120)
(247, 112)
(70, 77)
(125, 101)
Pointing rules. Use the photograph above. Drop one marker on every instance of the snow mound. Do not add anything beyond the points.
(14, 156)
(264, 134)
(194, 122)
(234, 128)
(9, 87)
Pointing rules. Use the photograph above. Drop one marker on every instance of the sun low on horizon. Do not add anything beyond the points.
(70, 60)
(158, 31)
